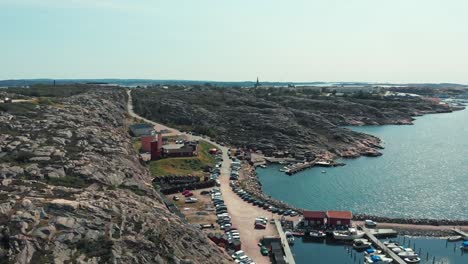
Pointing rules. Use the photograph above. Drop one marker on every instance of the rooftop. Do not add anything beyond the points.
(314, 214)
(140, 126)
(340, 214)
(173, 146)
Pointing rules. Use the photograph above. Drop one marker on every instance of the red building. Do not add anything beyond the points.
(312, 218)
(157, 148)
(336, 218)
(146, 143)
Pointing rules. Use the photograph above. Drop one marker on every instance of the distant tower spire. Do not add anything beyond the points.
(257, 84)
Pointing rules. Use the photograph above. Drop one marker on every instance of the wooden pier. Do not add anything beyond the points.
(287, 250)
(460, 232)
(384, 248)
(300, 167)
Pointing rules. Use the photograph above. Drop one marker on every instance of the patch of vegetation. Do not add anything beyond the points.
(17, 157)
(67, 181)
(136, 142)
(101, 248)
(196, 166)
(134, 189)
(41, 257)
(44, 90)
(18, 108)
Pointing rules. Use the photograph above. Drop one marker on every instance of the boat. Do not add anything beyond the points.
(412, 260)
(454, 238)
(361, 243)
(324, 171)
(317, 234)
(263, 166)
(289, 237)
(377, 259)
(350, 234)
(392, 245)
(464, 246)
(372, 251)
(408, 254)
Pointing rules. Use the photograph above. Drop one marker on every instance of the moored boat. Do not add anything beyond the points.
(408, 254)
(372, 251)
(412, 260)
(350, 234)
(454, 238)
(377, 259)
(289, 237)
(361, 243)
(317, 234)
(464, 246)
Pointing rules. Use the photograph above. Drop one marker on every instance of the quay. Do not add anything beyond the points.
(300, 167)
(381, 245)
(460, 232)
(287, 250)
(383, 232)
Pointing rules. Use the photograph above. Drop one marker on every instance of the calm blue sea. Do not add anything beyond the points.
(422, 174)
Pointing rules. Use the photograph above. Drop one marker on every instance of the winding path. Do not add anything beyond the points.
(242, 213)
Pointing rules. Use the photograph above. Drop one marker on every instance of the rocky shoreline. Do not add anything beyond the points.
(409, 227)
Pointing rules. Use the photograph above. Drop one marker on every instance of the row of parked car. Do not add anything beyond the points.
(255, 201)
(242, 258)
(224, 219)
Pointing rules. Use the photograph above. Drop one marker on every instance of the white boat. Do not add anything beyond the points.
(317, 234)
(377, 259)
(408, 254)
(324, 172)
(454, 238)
(391, 245)
(372, 251)
(361, 243)
(412, 260)
(289, 237)
(401, 249)
(263, 166)
(350, 234)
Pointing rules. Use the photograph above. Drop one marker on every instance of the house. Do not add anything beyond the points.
(157, 148)
(139, 130)
(187, 149)
(146, 143)
(336, 218)
(312, 218)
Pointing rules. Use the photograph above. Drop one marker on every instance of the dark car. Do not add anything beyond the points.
(266, 206)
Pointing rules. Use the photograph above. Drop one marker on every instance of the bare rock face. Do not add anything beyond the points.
(273, 120)
(73, 191)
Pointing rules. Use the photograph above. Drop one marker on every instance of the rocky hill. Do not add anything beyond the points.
(72, 189)
(275, 120)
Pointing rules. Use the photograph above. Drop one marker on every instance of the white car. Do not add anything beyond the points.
(238, 254)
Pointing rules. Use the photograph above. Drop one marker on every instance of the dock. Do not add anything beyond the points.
(300, 167)
(460, 232)
(384, 232)
(287, 250)
(381, 245)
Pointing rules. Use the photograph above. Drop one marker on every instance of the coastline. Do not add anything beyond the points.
(440, 228)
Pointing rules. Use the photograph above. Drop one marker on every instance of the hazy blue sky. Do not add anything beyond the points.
(309, 40)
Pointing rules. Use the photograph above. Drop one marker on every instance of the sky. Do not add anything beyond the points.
(397, 41)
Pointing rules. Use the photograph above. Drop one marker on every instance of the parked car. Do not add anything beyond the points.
(264, 251)
(259, 226)
(175, 198)
(238, 254)
(191, 200)
(370, 223)
(189, 194)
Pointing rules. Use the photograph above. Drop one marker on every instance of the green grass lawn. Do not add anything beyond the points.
(184, 166)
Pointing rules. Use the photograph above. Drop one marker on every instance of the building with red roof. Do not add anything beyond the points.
(312, 218)
(337, 218)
